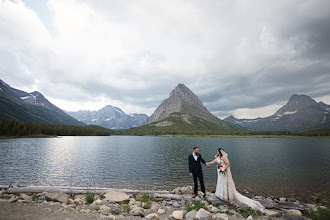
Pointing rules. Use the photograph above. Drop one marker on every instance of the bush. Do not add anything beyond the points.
(246, 211)
(143, 197)
(321, 213)
(89, 197)
(124, 208)
(191, 205)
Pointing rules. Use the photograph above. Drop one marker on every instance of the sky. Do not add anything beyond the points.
(240, 57)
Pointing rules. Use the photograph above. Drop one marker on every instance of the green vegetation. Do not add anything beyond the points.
(145, 198)
(322, 213)
(191, 205)
(10, 128)
(89, 197)
(125, 208)
(247, 211)
(179, 124)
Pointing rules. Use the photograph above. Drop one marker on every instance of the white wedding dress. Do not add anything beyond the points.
(226, 189)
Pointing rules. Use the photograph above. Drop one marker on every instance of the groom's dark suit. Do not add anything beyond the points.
(196, 169)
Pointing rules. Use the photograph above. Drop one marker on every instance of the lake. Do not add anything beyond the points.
(263, 166)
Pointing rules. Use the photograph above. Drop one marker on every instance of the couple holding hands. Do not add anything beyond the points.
(225, 189)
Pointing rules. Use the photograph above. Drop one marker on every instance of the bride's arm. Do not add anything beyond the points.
(213, 161)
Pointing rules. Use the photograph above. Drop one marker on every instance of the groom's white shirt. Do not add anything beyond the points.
(195, 156)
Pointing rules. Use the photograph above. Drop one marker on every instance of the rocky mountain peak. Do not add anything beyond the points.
(295, 103)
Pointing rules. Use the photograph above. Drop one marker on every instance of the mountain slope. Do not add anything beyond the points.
(301, 113)
(183, 101)
(110, 117)
(41, 111)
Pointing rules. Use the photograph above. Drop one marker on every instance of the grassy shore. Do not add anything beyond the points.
(245, 136)
(31, 136)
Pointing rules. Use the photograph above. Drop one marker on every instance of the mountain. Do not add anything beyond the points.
(31, 107)
(301, 113)
(183, 109)
(110, 117)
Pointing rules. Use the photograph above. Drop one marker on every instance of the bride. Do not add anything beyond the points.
(226, 189)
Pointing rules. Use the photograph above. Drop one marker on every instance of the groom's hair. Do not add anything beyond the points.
(195, 148)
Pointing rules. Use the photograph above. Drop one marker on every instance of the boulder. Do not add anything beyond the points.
(131, 201)
(161, 211)
(138, 211)
(152, 216)
(117, 196)
(214, 210)
(296, 212)
(71, 201)
(268, 203)
(272, 213)
(57, 197)
(291, 216)
(178, 214)
(250, 217)
(98, 202)
(176, 205)
(220, 216)
(13, 199)
(78, 201)
(202, 214)
(191, 215)
(105, 208)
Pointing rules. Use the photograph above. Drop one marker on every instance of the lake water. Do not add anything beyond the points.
(272, 166)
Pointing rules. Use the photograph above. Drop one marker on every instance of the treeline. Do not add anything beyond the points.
(10, 128)
(145, 130)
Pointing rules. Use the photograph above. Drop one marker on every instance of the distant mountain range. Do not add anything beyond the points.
(183, 112)
(31, 107)
(301, 113)
(110, 117)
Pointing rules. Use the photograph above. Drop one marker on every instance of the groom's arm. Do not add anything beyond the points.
(189, 165)
(203, 161)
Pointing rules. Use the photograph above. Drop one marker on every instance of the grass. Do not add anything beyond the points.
(321, 213)
(247, 211)
(143, 197)
(89, 197)
(125, 208)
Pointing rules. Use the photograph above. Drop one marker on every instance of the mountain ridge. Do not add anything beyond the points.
(300, 113)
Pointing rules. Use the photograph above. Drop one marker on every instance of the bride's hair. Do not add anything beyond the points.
(219, 150)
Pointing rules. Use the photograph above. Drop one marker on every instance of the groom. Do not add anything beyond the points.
(195, 170)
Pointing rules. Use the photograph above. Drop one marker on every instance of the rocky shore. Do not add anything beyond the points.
(79, 203)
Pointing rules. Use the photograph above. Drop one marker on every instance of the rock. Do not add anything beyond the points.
(26, 197)
(311, 206)
(250, 217)
(268, 203)
(71, 201)
(105, 208)
(116, 196)
(1, 193)
(153, 216)
(293, 211)
(191, 215)
(291, 216)
(214, 210)
(57, 197)
(202, 214)
(177, 214)
(138, 204)
(104, 201)
(138, 211)
(131, 201)
(161, 211)
(18, 183)
(176, 205)
(97, 202)
(272, 213)
(13, 199)
(104, 212)
(282, 199)
(78, 201)
(220, 216)
(78, 196)
(258, 197)
(115, 211)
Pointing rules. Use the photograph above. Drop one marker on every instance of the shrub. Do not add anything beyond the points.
(89, 197)
(321, 213)
(147, 205)
(125, 208)
(191, 205)
(143, 197)
(246, 211)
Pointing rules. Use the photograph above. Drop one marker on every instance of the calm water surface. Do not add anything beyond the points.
(272, 166)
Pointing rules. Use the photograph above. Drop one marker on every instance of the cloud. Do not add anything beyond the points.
(237, 56)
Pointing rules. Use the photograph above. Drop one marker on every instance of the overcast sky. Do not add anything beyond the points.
(244, 58)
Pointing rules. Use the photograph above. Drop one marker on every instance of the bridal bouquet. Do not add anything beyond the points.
(222, 169)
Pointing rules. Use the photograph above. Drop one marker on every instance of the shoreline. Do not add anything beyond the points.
(134, 204)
